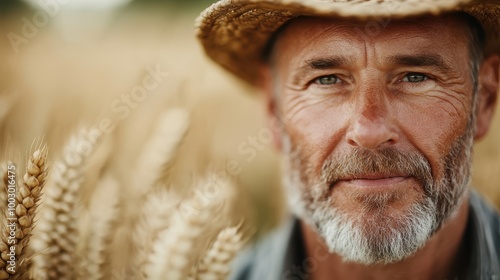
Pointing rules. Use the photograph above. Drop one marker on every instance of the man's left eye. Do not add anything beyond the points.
(415, 78)
(327, 80)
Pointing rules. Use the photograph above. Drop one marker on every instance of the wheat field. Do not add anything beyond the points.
(154, 153)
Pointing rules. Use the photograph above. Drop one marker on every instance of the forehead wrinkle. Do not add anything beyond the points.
(332, 26)
(300, 40)
(315, 29)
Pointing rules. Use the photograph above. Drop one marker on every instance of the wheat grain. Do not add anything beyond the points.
(28, 198)
(103, 217)
(215, 265)
(155, 217)
(174, 251)
(58, 231)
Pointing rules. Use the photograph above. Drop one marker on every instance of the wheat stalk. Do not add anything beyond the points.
(155, 217)
(28, 199)
(103, 217)
(215, 265)
(174, 251)
(58, 230)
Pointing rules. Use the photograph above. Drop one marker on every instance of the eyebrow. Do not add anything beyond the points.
(326, 63)
(426, 60)
(321, 63)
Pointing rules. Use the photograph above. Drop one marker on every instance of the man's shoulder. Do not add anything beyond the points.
(487, 220)
(484, 237)
(264, 259)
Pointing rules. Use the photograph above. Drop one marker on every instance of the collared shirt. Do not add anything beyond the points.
(281, 255)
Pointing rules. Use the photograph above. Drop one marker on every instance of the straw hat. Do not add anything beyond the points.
(234, 33)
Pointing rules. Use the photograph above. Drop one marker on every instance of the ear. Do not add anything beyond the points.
(266, 85)
(488, 92)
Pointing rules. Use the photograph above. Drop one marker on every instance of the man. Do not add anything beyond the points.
(378, 105)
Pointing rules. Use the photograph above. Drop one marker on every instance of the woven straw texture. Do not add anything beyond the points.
(234, 33)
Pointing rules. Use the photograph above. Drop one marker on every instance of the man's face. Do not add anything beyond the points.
(377, 130)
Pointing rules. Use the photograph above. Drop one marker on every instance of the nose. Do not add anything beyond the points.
(371, 127)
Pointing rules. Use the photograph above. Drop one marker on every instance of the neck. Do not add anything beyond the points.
(440, 258)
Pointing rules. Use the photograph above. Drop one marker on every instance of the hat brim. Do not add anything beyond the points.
(234, 33)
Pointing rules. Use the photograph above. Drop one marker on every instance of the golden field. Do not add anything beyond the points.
(79, 70)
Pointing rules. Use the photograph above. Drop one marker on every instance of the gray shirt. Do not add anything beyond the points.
(281, 255)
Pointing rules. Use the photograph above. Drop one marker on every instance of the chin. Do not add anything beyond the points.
(369, 227)
(376, 237)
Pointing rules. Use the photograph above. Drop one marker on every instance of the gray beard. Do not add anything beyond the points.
(377, 235)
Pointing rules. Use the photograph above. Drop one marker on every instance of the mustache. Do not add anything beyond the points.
(359, 163)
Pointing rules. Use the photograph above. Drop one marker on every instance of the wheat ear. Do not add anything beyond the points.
(174, 251)
(103, 211)
(58, 230)
(216, 263)
(28, 199)
(161, 147)
(4, 242)
(155, 216)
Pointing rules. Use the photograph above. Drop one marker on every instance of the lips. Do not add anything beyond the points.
(372, 180)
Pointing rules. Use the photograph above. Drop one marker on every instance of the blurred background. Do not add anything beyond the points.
(76, 67)
(72, 63)
(69, 64)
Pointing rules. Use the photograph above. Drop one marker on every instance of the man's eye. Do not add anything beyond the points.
(327, 80)
(415, 78)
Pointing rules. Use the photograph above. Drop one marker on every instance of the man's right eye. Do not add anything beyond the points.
(327, 80)
(415, 78)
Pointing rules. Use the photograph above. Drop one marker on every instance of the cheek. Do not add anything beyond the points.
(316, 129)
(432, 128)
